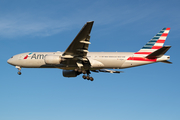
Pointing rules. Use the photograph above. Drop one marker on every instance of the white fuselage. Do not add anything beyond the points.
(98, 60)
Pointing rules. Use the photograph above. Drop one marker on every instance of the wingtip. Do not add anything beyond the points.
(90, 21)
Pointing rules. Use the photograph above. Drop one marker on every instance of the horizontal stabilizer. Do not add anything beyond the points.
(158, 53)
(167, 62)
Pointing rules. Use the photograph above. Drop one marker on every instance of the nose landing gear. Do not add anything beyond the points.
(19, 73)
(19, 70)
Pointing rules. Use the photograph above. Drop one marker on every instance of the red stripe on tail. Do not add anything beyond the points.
(164, 34)
(156, 47)
(160, 41)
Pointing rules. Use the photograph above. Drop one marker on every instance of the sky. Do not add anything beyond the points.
(140, 93)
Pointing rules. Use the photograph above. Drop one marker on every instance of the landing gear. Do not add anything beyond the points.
(88, 77)
(84, 72)
(19, 70)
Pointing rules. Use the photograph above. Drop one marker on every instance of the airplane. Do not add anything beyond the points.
(78, 60)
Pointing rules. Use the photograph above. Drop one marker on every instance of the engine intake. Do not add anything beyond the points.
(52, 59)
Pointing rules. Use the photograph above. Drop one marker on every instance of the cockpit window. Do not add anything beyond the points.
(12, 57)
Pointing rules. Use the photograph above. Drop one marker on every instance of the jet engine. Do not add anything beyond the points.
(70, 73)
(52, 59)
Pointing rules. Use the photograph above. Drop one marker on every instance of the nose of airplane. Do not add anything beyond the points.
(9, 61)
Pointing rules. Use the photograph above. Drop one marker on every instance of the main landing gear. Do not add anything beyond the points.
(19, 70)
(88, 76)
(85, 72)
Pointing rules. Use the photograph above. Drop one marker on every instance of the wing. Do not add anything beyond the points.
(78, 49)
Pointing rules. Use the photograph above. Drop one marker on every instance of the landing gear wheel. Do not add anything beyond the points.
(84, 72)
(84, 77)
(19, 73)
(91, 78)
(79, 70)
(88, 78)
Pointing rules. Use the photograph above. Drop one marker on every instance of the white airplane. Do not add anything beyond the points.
(77, 60)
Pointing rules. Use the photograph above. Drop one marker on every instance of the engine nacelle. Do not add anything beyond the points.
(52, 59)
(70, 73)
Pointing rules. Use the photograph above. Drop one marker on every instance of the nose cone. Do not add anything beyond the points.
(10, 61)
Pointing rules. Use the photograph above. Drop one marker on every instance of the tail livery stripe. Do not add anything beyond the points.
(164, 34)
(155, 43)
(156, 47)
(160, 41)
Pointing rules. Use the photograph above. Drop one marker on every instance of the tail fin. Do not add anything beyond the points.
(155, 43)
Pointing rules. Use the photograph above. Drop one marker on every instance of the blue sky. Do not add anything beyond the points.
(140, 93)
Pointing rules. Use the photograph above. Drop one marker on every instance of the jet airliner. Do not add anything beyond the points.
(78, 60)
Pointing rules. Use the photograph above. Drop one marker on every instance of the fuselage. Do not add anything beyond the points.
(98, 60)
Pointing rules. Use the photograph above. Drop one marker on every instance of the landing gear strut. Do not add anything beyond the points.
(19, 70)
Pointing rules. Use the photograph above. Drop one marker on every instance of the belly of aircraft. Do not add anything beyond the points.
(111, 63)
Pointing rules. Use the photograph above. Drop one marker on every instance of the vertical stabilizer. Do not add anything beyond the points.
(155, 43)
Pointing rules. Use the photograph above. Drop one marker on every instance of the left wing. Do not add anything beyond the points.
(78, 49)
